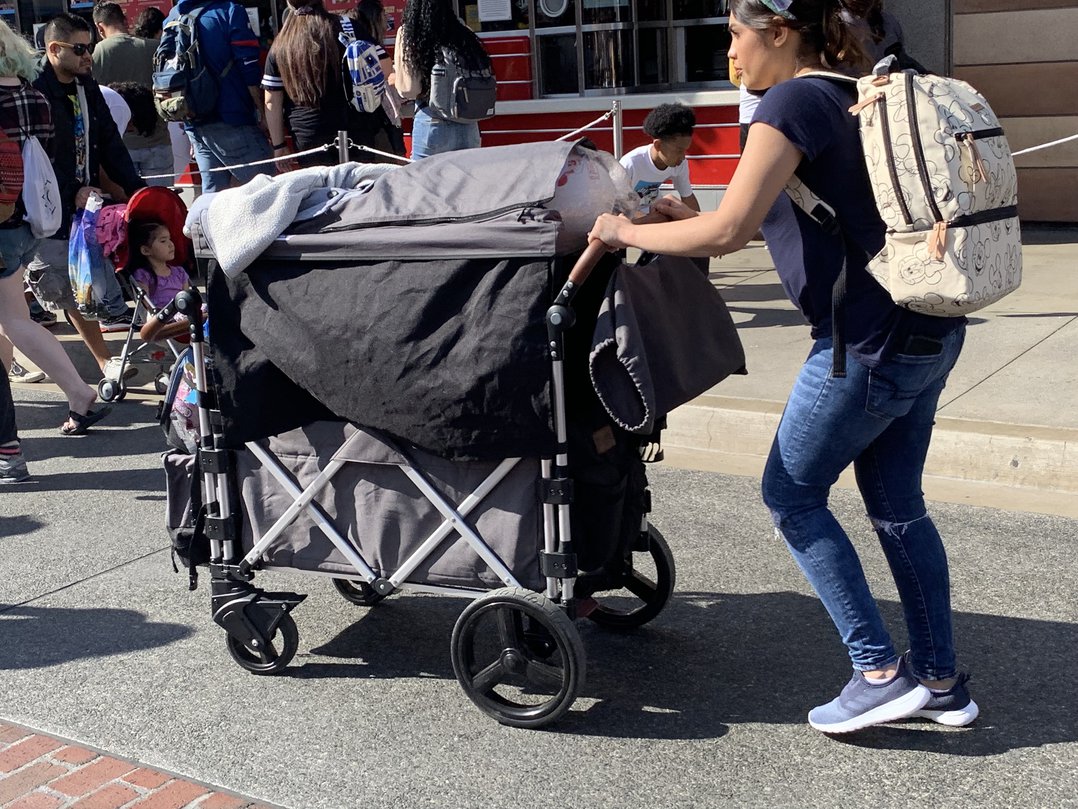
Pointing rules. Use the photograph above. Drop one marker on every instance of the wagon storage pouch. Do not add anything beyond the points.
(663, 337)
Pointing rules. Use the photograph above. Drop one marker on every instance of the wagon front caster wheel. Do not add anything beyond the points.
(518, 657)
(358, 592)
(648, 584)
(282, 648)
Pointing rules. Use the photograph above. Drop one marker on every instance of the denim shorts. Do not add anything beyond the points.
(431, 135)
(17, 248)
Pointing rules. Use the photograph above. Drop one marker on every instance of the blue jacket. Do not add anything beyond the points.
(224, 35)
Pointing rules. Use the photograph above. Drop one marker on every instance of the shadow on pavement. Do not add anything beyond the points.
(714, 660)
(39, 637)
(19, 524)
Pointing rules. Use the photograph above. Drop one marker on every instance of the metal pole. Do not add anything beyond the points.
(342, 147)
(618, 142)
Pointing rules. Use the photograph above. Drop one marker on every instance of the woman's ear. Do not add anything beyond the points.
(779, 34)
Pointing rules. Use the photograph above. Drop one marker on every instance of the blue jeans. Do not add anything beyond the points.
(219, 144)
(881, 421)
(431, 136)
(154, 161)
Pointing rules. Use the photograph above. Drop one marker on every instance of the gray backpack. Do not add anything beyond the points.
(461, 94)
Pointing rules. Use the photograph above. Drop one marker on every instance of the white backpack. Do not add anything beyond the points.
(40, 191)
(945, 186)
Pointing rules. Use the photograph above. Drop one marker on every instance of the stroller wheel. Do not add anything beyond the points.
(358, 592)
(109, 390)
(648, 588)
(160, 384)
(283, 646)
(518, 657)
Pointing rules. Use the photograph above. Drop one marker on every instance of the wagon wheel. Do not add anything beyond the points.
(518, 657)
(358, 592)
(649, 581)
(282, 648)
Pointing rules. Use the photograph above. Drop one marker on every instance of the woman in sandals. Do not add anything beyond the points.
(879, 416)
(23, 112)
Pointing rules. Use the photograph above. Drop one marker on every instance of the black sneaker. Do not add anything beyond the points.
(41, 316)
(120, 322)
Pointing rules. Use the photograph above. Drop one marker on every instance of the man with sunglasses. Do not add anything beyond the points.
(85, 139)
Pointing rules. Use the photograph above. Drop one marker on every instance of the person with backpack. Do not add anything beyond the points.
(878, 416)
(86, 141)
(120, 57)
(430, 33)
(25, 113)
(304, 84)
(218, 101)
(378, 127)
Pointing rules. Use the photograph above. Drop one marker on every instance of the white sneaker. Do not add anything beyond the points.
(24, 375)
(112, 369)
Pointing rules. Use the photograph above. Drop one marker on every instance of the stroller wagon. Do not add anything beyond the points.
(407, 408)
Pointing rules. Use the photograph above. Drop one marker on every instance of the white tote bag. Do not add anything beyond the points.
(40, 191)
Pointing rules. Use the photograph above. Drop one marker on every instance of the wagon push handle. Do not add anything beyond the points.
(581, 270)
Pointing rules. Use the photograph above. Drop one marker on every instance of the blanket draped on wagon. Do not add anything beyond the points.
(416, 307)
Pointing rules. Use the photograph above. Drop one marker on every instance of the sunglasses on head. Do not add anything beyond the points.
(78, 48)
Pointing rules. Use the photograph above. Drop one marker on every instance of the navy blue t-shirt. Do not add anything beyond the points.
(813, 114)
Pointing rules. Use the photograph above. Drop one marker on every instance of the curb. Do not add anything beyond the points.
(1020, 456)
(39, 771)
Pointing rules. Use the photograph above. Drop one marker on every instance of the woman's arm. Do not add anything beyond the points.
(275, 119)
(405, 82)
(768, 162)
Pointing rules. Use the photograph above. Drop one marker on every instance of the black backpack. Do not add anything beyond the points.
(459, 93)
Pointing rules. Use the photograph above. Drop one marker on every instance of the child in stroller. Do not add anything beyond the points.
(151, 261)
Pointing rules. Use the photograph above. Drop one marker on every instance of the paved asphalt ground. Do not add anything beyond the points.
(100, 642)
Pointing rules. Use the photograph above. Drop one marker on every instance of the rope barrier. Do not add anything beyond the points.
(605, 116)
(315, 150)
(1044, 146)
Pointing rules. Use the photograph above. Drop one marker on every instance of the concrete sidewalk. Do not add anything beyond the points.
(1007, 431)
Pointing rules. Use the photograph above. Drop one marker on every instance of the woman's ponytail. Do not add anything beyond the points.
(841, 43)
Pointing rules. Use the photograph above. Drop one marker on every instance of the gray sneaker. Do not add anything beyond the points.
(953, 707)
(20, 374)
(864, 703)
(13, 469)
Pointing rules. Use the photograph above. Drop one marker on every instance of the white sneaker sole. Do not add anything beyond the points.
(906, 705)
(952, 719)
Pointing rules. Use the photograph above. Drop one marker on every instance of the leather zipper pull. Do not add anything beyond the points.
(937, 242)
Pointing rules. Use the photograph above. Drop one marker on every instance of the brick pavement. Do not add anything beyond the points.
(38, 771)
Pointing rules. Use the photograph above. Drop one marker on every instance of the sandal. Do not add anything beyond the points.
(84, 422)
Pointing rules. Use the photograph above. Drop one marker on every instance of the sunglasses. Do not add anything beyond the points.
(78, 49)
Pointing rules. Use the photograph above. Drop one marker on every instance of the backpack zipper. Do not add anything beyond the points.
(885, 126)
(918, 150)
(937, 240)
(968, 140)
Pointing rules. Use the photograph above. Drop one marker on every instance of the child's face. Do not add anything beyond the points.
(160, 247)
(672, 150)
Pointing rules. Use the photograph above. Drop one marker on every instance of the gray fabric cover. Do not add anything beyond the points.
(383, 514)
(663, 337)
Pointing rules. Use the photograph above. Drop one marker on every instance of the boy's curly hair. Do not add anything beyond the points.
(669, 120)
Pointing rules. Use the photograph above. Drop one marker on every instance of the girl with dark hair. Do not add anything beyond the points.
(151, 249)
(303, 82)
(427, 27)
(379, 129)
(879, 416)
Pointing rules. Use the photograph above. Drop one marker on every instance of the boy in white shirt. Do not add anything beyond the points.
(649, 166)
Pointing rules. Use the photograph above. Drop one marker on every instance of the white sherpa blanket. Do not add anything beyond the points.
(240, 223)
